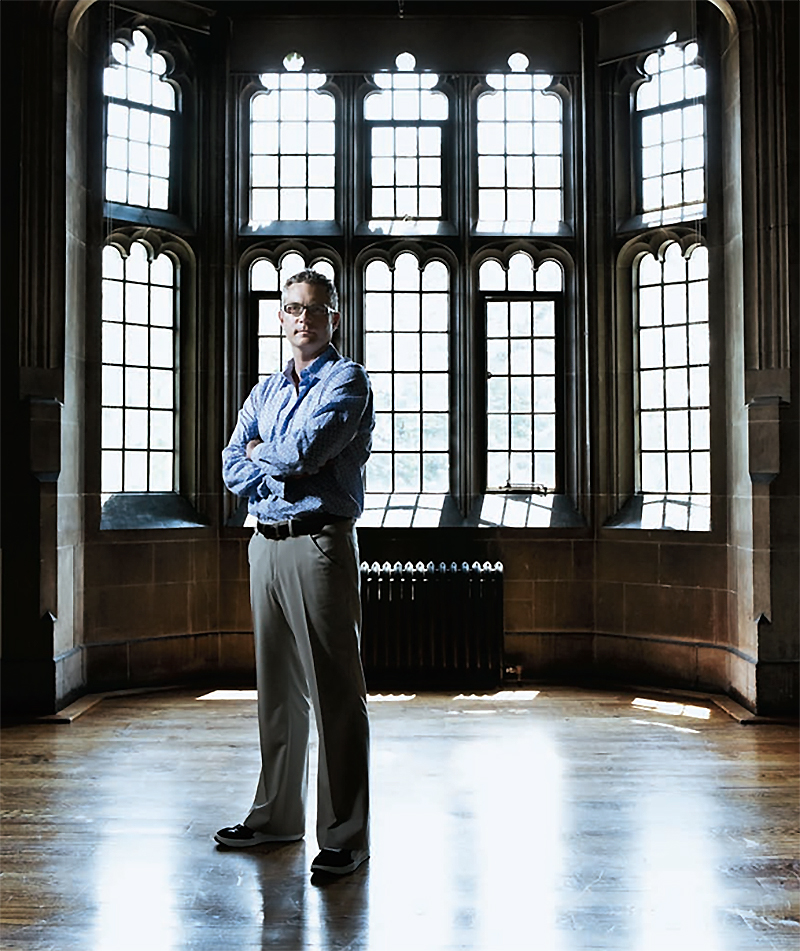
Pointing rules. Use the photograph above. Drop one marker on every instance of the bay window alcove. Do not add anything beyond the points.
(561, 236)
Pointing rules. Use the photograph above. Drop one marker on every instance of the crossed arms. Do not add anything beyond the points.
(277, 439)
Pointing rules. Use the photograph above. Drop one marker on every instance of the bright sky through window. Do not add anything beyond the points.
(406, 313)
(406, 118)
(521, 374)
(339, 165)
(139, 111)
(673, 376)
(292, 148)
(671, 107)
(520, 151)
(138, 372)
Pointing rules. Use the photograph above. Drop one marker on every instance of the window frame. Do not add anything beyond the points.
(627, 184)
(124, 406)
(669, 496)
(634, 236)
(423, 261)
(558, 298)
(159, 509)
(451, 239)
(638, 147)
(250, 85)
(562, 86)
(375, 228)
(179, 217)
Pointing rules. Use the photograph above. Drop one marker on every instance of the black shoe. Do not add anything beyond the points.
(339, 861)
(240, 837)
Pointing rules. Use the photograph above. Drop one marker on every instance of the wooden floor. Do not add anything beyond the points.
(567, 820)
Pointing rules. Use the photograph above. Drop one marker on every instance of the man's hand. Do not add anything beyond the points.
(251, 446)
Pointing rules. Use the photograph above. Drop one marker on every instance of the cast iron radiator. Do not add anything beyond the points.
(432, 626)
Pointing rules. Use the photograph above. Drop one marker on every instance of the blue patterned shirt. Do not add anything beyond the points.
(316, 441)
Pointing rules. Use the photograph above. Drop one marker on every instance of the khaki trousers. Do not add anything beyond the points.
(306, 605)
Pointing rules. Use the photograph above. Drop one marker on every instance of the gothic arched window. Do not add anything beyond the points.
(673, 392)
(520, 141)
(524, 314)
(140, 108)
(292, 146)
(139, 393)
(406, 323)
(671, 111)
(405, 121)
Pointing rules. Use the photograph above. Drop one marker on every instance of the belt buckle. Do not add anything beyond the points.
(283, 530)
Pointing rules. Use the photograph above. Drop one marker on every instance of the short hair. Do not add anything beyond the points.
(309, 276)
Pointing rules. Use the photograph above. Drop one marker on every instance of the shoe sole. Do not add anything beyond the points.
(259, 838)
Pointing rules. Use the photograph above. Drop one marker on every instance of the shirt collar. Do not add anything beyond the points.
(329, 354)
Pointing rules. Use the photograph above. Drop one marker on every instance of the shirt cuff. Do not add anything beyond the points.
(270, 487)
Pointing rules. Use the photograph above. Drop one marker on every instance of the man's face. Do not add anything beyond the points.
(310, 331)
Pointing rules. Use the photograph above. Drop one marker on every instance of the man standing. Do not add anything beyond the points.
(297, 453)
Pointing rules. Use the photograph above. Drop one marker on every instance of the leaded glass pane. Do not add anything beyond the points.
(405, 118)
(292, 146)
(672, 123)
(406, 354)
(521, 407)
(138, 125)
(673, 391)
(520, 153)
(138, 389)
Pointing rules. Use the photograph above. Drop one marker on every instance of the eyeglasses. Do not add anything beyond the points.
(314, 311)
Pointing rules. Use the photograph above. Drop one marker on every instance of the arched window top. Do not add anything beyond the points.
(138, 74)
(520, 272)
(405, 95)
(290, 81)
(673, 266)
(674, 76)
(266, 277)
(491, 276)
(519, 81)
(138, 265)
(521, 275)
(550, 277)
(407, 274)
(435, 276)
(113, 263)
(671, 116)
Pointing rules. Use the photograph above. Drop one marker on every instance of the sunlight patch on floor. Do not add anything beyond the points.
(253, 695)
(672, 709)
(230, 695)
(516, 695)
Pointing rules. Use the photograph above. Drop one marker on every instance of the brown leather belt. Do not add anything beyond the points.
(293, 527)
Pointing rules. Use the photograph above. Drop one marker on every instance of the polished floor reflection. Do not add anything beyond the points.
(555, 820)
